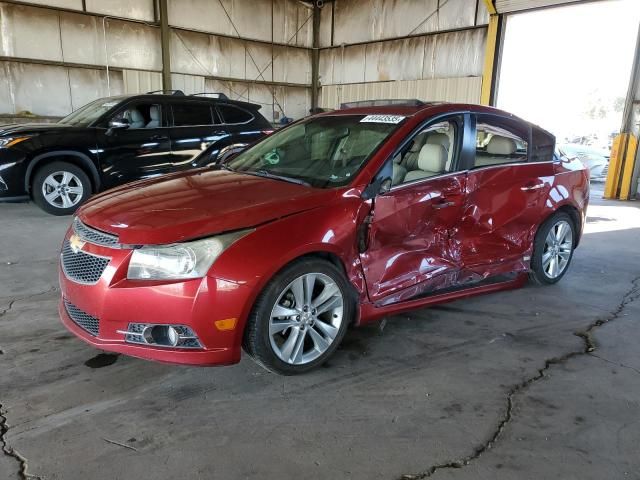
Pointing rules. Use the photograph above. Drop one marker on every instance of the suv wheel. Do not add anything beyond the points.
(60, 188)
(300, 318)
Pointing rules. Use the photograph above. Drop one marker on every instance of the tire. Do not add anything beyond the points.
(69, 182)
(275, 342)
(554, 242)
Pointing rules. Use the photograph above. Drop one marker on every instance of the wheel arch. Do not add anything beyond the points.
(74, 157)
(574, 214)
(323, 252)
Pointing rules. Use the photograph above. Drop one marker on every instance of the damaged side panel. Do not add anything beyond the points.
(413, 239)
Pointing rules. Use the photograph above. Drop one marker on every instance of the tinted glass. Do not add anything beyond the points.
(231, 114)
(141, 115)
(324, 152)
(500, 141)
(543, 145)
(189, 114)
(88, 114)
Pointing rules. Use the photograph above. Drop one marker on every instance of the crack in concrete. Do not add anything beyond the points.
(617, 364)
(27, 297)
(4, 427)
(12, 452)
(589, 346)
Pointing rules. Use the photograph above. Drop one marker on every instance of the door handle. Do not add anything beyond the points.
(532, 188)
(159, 137)
(443, 204)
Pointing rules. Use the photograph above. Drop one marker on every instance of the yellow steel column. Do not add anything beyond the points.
(490, 53)
(618, 150)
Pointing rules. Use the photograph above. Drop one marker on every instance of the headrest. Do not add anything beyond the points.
(436, 138)
(154, 112)
(135, 116)
(501, 146)
(433, 158)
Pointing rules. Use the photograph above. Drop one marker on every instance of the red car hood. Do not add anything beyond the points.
(193, 205)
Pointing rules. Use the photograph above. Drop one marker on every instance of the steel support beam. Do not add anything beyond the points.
(491, 60)
(624, 165)
(315, 58)
(165, 36)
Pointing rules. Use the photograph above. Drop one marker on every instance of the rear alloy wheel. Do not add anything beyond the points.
(300, 318)
(553, 249)
(60, 188)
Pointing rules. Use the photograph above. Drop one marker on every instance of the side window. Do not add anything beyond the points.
(191, 114)
(500, 141)
(432, 151)
(542, 145)
(232, 114)
(141, 115)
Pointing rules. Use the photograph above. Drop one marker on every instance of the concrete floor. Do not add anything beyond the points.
(498, 385)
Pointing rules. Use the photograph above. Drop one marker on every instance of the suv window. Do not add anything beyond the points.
(231, 114)
(141, 115)
(431, 152)
(500, 140)
(191, 114)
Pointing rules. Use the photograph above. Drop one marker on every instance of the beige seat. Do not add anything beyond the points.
(432, 161)
(499, 150)
(411, 158)
(154, 113)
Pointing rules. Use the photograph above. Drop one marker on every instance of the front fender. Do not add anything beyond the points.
(256, 258)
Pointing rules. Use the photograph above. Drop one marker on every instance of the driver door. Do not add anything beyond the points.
(142, 150)
(413, 245)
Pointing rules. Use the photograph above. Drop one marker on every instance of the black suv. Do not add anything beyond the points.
(116, 140)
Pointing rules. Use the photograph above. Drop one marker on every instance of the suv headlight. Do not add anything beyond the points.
(7, 142)
(181, 260)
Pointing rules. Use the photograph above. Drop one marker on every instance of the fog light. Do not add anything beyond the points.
(176, 336)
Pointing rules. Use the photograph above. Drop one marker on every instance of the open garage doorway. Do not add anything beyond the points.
(568, 69)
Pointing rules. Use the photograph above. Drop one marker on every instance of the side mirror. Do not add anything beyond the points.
(120, 124)
(379, 186)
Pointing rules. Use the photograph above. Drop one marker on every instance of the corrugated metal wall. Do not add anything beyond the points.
(54, 55)
(427, 49)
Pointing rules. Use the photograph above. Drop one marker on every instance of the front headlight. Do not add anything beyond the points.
(7, 142)
(181, 260)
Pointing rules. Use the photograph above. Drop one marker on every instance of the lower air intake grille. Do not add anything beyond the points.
(82, 319)
(82, 267)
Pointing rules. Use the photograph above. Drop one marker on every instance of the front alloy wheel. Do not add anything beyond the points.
(306, 318)
(60, 187)
(300, 317)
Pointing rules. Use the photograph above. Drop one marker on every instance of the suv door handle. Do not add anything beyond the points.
(159, 137)
(531, 187)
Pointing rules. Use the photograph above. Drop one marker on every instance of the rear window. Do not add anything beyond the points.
(231, 114)
(189, 114)
(542, 145)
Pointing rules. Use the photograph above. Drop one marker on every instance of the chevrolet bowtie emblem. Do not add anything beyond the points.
(76, 243)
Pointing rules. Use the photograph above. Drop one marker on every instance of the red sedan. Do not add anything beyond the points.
(339, 219)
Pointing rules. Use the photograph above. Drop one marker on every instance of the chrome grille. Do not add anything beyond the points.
(92, 235)
(82, 319)
(82, 267)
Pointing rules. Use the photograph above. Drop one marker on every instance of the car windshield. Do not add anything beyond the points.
(90, 113)
(322, 152)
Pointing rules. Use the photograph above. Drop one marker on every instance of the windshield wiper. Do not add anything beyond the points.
(267, 174)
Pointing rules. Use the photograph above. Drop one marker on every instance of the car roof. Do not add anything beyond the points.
(409, 110)
(187, 98)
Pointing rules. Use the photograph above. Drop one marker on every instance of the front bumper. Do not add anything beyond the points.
(12, 176)
(116, 302)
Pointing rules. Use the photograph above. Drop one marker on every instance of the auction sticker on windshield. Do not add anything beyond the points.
(382, 119)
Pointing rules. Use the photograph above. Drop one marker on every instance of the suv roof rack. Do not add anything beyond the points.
(172, 92)
(218, 94)
(383, 102)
